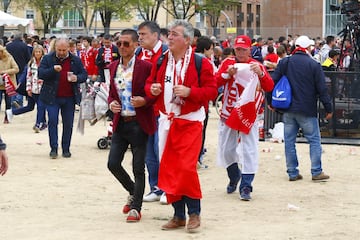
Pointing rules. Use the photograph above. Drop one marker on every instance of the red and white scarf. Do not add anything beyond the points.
(107, 54)
(175, 75)
(9, 85)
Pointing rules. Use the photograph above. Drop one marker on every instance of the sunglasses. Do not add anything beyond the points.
(124, 43)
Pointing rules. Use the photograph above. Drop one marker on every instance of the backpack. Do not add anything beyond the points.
(281, 94)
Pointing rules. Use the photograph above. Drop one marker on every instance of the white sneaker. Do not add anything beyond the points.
(151, 197)
(163, 199)
(9, 115)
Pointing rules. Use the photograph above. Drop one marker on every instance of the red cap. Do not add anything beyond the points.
(242, 41)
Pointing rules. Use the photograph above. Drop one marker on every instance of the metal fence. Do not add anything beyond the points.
(344, 127)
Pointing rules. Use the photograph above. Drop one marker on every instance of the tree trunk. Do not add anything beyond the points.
(46, 28)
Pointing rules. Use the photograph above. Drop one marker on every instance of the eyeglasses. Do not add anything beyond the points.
(124, 43)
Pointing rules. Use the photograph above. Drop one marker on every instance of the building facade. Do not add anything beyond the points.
(265, 18)
(302, 17)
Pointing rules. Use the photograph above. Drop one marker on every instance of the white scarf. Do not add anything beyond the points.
(175, 75)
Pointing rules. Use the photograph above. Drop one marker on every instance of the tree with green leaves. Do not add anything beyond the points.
(180, 9)
(213, 8)
(109, 9)
(148, 9)
(51, 11)
(85, 8)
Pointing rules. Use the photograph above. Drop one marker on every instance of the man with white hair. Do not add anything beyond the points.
(180, 94)
(307, 81)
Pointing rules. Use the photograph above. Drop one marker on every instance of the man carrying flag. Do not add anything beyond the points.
(244, 80)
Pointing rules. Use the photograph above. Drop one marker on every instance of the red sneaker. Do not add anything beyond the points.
(127, 206)
(134, 216)
(126, 209)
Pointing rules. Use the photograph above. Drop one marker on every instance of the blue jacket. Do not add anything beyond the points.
(307, 82)
(51, 78)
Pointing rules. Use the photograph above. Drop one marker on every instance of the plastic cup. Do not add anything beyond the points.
(69, 75)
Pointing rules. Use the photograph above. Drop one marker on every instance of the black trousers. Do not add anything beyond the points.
(129, 133)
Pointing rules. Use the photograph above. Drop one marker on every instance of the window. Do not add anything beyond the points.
(257, 19)
(73, 19)
(250, 16)
(334, 20)
(29, 14)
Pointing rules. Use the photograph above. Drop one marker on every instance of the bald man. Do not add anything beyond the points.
(62, 73)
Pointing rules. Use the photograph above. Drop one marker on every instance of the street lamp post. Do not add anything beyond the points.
(227, 18)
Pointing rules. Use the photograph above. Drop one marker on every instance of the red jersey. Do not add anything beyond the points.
(88, 57)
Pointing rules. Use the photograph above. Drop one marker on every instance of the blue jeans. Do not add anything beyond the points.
(28, 108)
(18, 98)
(246, 181)
(152, 160)
(125, 134)
(234, 174)
(40, 116)
(311, 131)
(193, 206)
(41, 110)
(66, 106)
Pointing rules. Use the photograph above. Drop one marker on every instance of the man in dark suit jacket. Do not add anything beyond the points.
(133, 120)
(19, 50)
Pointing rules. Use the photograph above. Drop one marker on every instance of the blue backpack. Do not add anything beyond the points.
(281, 94)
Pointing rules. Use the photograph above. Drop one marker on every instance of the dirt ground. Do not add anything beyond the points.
(79, 199)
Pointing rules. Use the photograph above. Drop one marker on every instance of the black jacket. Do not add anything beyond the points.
(307, 82)
(99, 61)
(20, 52)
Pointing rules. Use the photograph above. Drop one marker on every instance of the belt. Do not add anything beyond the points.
(128, 118)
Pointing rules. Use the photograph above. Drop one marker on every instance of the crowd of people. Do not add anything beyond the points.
(161, 82)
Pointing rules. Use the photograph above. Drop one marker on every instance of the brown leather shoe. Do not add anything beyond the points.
(322, 176)
(298, 177)
(174, 223)
(193, 223)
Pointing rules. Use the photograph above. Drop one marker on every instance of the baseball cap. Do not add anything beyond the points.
(304, 41)
(242, 41)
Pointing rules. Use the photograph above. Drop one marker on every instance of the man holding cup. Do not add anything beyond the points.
(62, 72)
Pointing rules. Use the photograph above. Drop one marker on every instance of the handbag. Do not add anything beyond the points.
(87, 109)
